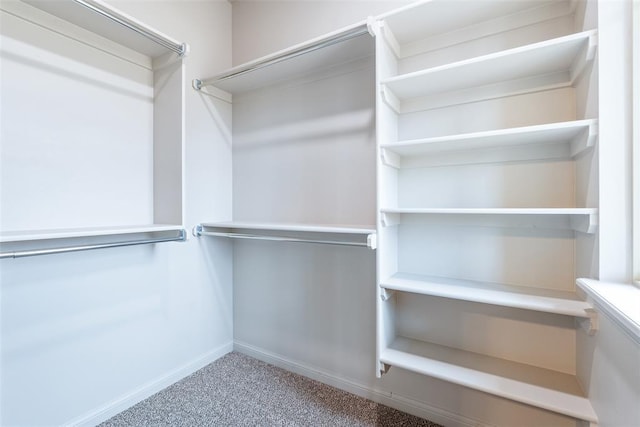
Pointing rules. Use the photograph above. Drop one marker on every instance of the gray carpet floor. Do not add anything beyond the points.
(237, 390)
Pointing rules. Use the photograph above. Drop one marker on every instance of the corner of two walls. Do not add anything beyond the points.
(87, 334)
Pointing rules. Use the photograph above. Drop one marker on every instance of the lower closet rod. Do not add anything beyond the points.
(278, 239)
(34, 252)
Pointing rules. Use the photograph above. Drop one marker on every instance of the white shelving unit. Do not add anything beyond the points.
(119, 92)
(486, 194)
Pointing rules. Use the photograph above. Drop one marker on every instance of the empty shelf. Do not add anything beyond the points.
(418, 23)
(109, 22)
(543, 300)
(578, 219)
(578, 135)
(621, 301)
(551, 63)
(289, 232)
(324, 52)
(550, 390)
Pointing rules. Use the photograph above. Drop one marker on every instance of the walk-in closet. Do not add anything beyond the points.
(346, 212)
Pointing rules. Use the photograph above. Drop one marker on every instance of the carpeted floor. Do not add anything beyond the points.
(237, 390)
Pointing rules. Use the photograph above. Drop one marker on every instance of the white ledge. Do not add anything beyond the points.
(619, 301)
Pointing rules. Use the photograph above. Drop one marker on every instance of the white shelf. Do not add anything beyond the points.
(72, 233)
(320, 53)
(92, 15)
(291, 232)
(577, 135)
(620, 301)
(579, 219)
(543, 300)
(435, 24)
(551, 63)
(551, 390)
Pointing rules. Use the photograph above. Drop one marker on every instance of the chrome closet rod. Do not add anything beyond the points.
(277, 238)
(179, 48)
(338, 38)
(34, 252)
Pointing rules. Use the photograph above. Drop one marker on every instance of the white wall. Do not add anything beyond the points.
(264, 27)
(609, 362)
(86, 334)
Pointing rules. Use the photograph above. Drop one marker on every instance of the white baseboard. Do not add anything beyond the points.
(126, 401)
(400, 403)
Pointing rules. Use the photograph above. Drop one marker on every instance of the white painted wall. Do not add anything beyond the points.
(608, 363)
(84, 335)
(263, 27)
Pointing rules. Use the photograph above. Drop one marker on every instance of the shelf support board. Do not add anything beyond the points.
(390, 219)
(590, 322)
(586, 56)
(391, 40)
(390, 158)
(391, 99)
(384, 368)
(584, 223)
(585, 140)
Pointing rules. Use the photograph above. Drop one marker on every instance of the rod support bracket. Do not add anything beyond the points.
(197, 230)
(386, 294)
(184, 50)
(196, 84)
(372, 241)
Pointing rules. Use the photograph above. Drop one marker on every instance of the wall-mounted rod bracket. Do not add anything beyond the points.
(386, 294)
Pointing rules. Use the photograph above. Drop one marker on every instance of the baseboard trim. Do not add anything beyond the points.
(401, 403)
(126, 401)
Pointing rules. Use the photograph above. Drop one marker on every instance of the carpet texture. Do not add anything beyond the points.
(237, 390)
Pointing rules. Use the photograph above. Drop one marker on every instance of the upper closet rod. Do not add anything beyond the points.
(290, 54)
(180, 48)
(49, 251)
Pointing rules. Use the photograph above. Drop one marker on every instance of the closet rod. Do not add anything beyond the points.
(325, 42)
(34, 252)
(277, 238)
(180, 48)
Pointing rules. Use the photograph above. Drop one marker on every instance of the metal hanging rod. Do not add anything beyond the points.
(180, 48)
(34, 252)
(277, 238)
(326, 42)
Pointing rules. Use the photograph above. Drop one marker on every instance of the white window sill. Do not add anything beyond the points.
(620, 301)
